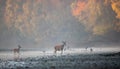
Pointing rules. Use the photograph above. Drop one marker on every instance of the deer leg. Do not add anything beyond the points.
(14, 56)
(61, 51)
(18, 55)
(55, 51)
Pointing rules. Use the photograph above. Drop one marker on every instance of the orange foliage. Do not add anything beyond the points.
(93, 14)
(78, 7)
(116, 7)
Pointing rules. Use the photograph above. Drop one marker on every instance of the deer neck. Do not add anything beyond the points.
(18, 48)
(63, 45)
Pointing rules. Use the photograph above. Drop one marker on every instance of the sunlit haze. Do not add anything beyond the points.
(42, 24)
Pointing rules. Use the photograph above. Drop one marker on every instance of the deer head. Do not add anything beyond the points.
(19, 46)
(64, 43)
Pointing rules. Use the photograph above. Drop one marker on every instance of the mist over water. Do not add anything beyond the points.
(8, 54)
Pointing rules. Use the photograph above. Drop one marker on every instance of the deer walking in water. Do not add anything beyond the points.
(60, 47)
(16, 52)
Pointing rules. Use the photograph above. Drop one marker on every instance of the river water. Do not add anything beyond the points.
(4, 55)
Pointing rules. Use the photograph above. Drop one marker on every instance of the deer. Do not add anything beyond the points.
(17, 52)
(90, 49)
(60, 47)
(86, 48)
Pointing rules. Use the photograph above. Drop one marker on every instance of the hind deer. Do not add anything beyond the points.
(17, 52)
(60, 47)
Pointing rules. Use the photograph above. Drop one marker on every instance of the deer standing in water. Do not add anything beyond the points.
(60, 47)
(17, 52)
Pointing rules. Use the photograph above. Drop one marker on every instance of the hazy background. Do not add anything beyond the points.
(42, 24)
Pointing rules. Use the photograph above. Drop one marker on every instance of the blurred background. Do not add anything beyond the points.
(42, 24)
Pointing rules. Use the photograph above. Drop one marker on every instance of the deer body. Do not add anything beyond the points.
(60, 47)
(16, 50)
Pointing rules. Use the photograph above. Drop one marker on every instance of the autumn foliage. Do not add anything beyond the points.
(98, 16)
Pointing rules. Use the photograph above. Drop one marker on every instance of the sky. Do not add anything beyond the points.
(42, 24)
